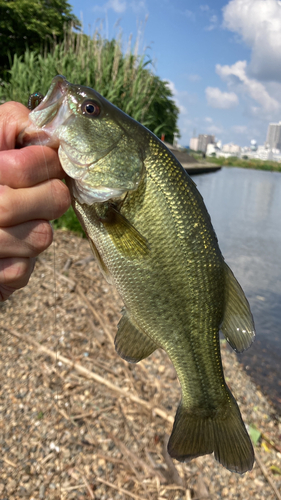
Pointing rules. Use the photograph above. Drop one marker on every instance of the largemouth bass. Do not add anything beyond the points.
(151, 233)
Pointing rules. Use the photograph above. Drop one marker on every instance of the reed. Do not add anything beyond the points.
(126, 79)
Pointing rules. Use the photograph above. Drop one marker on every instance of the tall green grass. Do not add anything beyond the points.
(125, 78)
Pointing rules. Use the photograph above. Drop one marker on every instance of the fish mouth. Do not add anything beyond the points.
(53, 123)
(52, 111)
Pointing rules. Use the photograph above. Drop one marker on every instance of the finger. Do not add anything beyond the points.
(14, 117)
(14, 274)
(26, 167)
(25, 240)
(48, 201)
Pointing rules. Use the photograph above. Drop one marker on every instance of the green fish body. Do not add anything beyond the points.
(152, 236)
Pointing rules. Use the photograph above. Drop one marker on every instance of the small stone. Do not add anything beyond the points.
(224, 492)
(11, 486)
(2, 487)
(42, 491)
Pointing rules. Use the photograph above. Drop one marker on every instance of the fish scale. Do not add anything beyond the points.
(150, 231)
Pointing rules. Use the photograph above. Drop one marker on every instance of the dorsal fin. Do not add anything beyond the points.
(238, 324)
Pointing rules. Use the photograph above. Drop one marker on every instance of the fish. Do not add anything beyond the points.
(150, 231)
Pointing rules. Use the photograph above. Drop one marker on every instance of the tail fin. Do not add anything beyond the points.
(223, 433)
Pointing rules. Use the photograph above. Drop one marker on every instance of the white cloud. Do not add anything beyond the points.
(258, 23)
(190, 14)
(215, 130)
(240, 129)
(138, 6)
(178, 97)
(118, 6)
(213, 23)
(237, 78)
(218, 99)
(204, 8)
(208, 119)
(194, 78)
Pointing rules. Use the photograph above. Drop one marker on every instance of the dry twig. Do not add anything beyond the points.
(121, 490)
(88, 374)
(175, 477)
(266, 475)
(95, 313)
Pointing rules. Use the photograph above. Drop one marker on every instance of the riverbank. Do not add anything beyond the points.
(233, 161)
(81, 423)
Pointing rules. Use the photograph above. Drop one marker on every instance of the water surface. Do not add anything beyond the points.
(245, 208)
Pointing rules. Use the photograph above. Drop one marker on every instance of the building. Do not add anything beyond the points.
(273, 138)
(231, 149)
(225, 150)
(204, 140)
(194, 143)
(201, 142)
(213, 150)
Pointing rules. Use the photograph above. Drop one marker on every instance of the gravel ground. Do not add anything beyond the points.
(77, 422)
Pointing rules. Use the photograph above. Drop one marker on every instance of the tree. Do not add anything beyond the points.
(32, 23)
(163, 112)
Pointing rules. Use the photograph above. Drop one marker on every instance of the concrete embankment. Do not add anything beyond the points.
(190, 164)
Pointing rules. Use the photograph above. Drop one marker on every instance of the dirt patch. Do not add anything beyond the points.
(79, 422)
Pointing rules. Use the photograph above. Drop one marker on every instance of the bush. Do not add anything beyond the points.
(232, 161)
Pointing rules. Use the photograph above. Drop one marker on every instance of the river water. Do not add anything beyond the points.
(245, 208)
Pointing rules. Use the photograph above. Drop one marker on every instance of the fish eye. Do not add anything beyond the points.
(90, 108)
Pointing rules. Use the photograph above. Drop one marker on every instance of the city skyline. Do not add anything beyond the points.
(222, 58)
(270, 150)
(272, 140)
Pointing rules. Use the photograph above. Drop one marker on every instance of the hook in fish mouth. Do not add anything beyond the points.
(51, 111)
(37, 97)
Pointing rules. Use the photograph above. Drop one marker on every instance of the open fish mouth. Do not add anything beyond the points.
(38, 132)
(99, 154)
(49, 115)
(54, 113)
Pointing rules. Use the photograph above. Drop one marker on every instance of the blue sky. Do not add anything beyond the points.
(222, 58)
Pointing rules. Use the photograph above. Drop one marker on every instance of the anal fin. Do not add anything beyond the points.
(238, 324)
(131, 343)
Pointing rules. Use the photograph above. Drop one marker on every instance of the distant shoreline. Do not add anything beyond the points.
(254, 164)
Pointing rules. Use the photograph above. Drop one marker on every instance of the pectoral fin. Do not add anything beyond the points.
(125, 237)
(238, 324)
(131, 343)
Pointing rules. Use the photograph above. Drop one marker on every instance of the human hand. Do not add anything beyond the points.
(31, 194)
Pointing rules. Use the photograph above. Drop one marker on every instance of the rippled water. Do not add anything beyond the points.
(245, 207)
